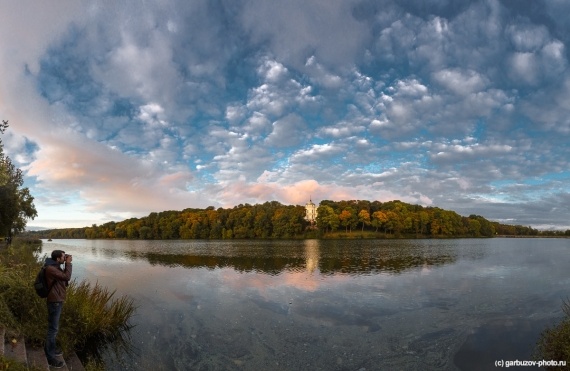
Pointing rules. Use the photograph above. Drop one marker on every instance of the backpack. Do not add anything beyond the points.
(40, 284)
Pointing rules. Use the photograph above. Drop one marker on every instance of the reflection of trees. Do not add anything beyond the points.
(261, 264)
(343, 261)
(374, 265)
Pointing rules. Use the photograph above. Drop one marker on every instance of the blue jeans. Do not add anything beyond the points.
(54, 311)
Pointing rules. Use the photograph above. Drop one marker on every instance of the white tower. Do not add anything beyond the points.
(311, 212)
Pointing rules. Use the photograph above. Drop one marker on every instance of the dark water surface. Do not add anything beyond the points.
(331, 305)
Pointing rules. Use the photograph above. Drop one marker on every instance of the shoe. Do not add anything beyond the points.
(56, 364)
(58, 352)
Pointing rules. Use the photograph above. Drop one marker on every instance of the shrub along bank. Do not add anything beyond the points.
(554, 343)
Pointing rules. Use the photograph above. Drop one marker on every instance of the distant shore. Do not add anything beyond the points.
(343, 236)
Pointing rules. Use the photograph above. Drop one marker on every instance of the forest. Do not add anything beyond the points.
(335, 219)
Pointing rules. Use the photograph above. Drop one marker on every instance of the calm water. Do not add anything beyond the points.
(331, 305)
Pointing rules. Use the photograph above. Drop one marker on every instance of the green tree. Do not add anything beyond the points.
(408, 224)
(120, 232)
(474, 227)
(16, 202)
(262, 224)
(192, 225)
(424, 221)
(393, 223)
(145, 233)
(133, 225)
(287, 221)
(487, 228)
(327, 218)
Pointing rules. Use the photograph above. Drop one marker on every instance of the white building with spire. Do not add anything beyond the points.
(311, 212)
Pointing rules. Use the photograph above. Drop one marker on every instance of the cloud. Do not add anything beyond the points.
(297, 30)
(26, 35)
(288, 131)
(318, 152)
(320, 76)
(457, 152)
(298, 193)
(106, 179)
(461, 82)
(342, 129)
(457, 104)
(144, 72)
(548, 109)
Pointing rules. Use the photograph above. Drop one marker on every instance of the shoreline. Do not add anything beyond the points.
(355, 235)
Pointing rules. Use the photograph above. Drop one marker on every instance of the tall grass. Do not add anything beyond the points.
(93, 318)
(554, 343)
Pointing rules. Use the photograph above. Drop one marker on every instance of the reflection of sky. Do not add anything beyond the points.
(487, 280)
(497, 269)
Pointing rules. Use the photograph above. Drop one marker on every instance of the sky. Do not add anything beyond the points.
(119, 109)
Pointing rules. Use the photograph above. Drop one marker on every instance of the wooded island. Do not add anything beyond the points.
(335, 219)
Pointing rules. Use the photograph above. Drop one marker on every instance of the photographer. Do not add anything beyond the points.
(57, 282)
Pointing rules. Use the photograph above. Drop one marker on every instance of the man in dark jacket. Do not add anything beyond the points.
(57, 282)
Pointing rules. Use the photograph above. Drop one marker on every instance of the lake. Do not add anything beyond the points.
(330, 305)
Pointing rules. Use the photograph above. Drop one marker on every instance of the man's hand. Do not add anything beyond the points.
(68, 259)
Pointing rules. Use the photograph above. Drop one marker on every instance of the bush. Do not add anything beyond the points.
(554, 343)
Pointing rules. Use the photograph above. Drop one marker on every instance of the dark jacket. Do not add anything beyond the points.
(57, 277)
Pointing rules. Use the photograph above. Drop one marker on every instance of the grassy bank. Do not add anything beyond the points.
(92, 318)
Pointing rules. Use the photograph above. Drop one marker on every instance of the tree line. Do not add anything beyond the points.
(393, 219)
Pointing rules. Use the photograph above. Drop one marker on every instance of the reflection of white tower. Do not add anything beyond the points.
(311, 212)
(312, 255)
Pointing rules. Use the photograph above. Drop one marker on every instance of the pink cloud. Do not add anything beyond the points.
(108, 180)
(300, 192)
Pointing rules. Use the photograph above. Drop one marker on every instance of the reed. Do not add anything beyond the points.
(94, 318)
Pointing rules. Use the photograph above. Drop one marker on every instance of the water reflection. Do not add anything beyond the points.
(311, 255)
(272, 266)
(329, 261)
(380, 264)
(350, 305)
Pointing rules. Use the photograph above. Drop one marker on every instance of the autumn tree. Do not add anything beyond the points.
(379, 218)
(345, 218)
(364, 218)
